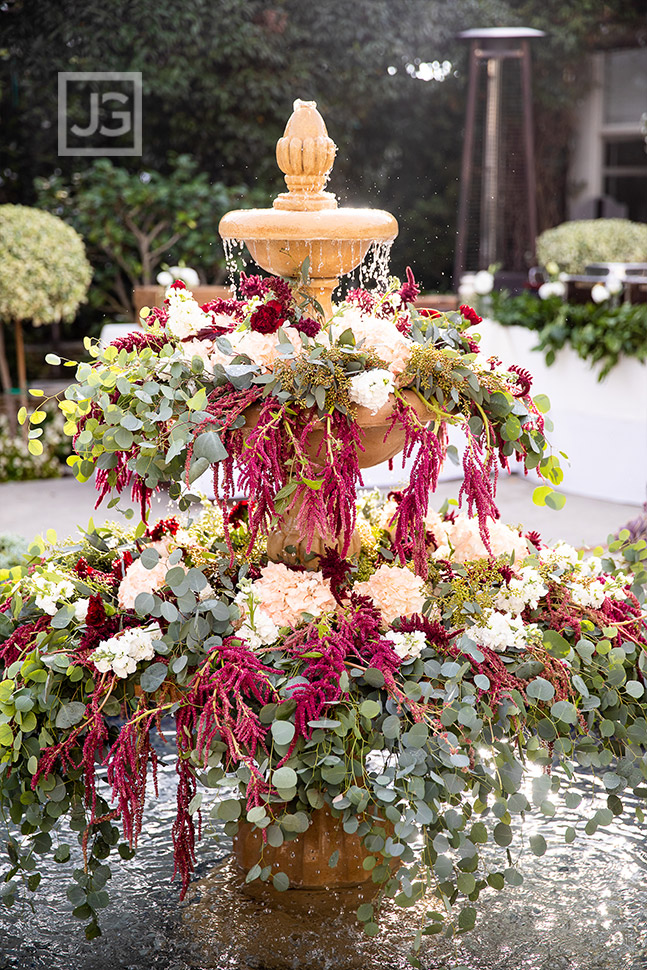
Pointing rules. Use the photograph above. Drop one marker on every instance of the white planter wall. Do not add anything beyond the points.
(600, 425)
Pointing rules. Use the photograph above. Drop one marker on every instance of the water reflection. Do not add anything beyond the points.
(582, 907)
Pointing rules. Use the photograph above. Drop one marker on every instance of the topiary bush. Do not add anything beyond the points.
(573, 245)
(45, 274)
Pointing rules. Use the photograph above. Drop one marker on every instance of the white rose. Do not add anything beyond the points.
(599, 293)
(371, 389)
(81, 609)
(483, 282)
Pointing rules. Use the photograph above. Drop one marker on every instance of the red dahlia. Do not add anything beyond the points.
(268, 317)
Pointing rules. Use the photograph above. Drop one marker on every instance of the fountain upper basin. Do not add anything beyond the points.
(334, 240)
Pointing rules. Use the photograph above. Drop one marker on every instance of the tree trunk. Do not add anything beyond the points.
(5, 375)
(20, 360)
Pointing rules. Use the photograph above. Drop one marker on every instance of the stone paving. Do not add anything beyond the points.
(30, 508)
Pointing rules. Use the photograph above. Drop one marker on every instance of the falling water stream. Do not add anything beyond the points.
(581, 907)
(372, 270)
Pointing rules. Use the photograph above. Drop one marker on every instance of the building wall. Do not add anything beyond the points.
(608, 167)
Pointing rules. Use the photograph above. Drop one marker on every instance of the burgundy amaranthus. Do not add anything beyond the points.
(139, 340)
(479, 486)
(524, 381)
(409, 519)
(409, 291)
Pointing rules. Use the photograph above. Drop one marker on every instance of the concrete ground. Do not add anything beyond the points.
(30, 508)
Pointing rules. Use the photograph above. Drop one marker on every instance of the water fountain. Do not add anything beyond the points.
(313, 926)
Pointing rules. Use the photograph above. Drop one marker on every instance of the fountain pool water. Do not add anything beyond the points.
(582, 907)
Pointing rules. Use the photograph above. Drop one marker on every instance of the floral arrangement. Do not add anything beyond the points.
(409, 707)
(400, 681)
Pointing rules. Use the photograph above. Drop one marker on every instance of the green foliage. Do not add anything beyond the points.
(573, 245)
(45, 275)
(598, 333)
(133, 221)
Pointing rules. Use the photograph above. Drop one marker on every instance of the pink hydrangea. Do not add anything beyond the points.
(285, 594)
(396, 591)
(464, 542)
(138, 579)
(262, 348)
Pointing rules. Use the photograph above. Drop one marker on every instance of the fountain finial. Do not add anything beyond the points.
(305, 154)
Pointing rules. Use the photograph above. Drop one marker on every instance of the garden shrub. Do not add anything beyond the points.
(45, 274)
(573, 245)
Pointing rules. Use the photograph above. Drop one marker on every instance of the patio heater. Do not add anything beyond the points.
(501, 226)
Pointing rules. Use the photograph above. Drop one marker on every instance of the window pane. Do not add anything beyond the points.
(632, 191)
(625, 86)
(628, 151)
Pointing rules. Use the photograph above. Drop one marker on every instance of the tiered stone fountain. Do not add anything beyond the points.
(306, 223)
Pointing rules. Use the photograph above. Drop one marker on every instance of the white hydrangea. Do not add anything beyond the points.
(587, 593)
(502, 631)
(185, 316)
(592, 592)
(258, 628)
(520, 592)
(122, 652)
(49, 592)
(560, 555)
(371, 389)
(591, 566)
(408, 646)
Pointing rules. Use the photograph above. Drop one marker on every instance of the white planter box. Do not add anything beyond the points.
(600, 425)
